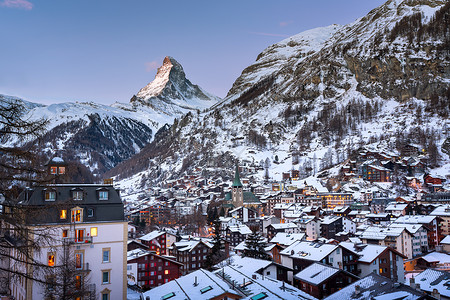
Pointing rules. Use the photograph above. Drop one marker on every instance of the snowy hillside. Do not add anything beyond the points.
(311, 101)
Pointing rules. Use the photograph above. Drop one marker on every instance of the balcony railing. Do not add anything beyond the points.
(82, 267)
(79, 240)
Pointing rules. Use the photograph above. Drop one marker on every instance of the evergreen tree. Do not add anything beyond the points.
(216, 254)
(255, 245)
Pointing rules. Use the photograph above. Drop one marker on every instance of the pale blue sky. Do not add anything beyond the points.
(105, 51)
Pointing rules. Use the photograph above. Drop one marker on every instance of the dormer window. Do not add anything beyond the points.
(77, 195)
(103, 195)
(50, 195)
(53, 170)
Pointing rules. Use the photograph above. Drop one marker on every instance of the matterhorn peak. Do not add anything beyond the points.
(172, 93)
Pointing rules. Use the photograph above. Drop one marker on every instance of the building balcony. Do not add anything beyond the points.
(82, 268)
(79, 240)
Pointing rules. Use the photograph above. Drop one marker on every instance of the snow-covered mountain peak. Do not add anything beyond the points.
(154, 88)
(171, 93)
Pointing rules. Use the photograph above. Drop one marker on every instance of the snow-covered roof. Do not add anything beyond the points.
(188, 245)
(434, 279)
(367, 252)
(309, 250)
(396, 207)
(242, 229)
(380, 233)
(375, 286)
(152, 235)
(200, 284)
(287, 239)
(254, 284)
(281, 226)
(441, 258)
(329, 219)
(136, 253)
(446, 240)
(443, 211)
(316, 273)
(416, 219)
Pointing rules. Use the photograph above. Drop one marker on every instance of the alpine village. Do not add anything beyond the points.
(323, 174)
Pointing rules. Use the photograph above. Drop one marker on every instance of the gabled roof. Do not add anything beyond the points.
(317, 273)
(152, 235)
(367, 252)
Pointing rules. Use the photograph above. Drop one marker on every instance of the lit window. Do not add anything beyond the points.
(62, 170)
(78, 282)
(103, 195)
(63, 214)
(166, 272)
(53, 170)
(105, 277)
(51, 259)
(79, 235)
(93, 231)
(50, 195)
(106, 255)
(79, 261)
(65, 233)
(77, 215)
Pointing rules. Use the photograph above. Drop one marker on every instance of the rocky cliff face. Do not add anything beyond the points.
(396, 51)
(172, 93)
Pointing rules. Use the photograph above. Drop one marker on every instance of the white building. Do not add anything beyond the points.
(85, 236)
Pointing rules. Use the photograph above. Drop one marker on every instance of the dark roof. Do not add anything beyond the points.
(103, 210)
(374, 285)
(237, 180)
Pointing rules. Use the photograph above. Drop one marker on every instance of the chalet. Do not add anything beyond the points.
(150, 270)
(397, 238)
(341, 211)
(273, 229)
(396, 209)
(287, 239)
(244, 214)
(300, 255)
(191, 253)
(310, 225)
(158, 241)
(373, 171)
(237, 234)
(363, 259)
(320, 280)
(330, 225)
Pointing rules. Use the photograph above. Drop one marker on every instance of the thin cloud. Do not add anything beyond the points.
(150, 66)
(285, 23)
(269, 34)
(21, 4)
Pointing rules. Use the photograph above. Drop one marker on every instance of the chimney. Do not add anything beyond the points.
(436, 294)
(418, 286)
(357, 291)
(195, 282)
(412, 282)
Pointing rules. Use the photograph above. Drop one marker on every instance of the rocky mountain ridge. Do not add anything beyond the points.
(101, 136)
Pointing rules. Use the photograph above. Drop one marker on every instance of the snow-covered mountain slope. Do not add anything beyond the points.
(172, 93)
(101, 136)
(311, 100)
